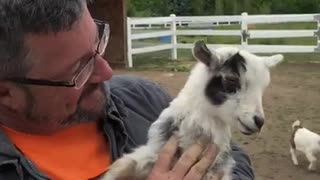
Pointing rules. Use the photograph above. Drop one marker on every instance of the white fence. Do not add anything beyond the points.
(245, 20)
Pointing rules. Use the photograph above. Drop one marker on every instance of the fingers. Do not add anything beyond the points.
(166, 155)
(188, 158)
(200, 168)
(188, 167)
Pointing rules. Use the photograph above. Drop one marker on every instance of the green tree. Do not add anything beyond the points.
(235, 9)
(308, 6)
(219, 9)
(246, 6)
(197, 7)
(261, 7)
(182, 7)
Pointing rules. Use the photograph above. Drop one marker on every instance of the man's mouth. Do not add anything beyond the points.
(89, 90)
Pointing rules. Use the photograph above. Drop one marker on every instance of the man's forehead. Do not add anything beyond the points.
(64, 47)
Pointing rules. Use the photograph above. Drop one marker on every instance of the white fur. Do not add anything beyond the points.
(192, 111)
(306, 142)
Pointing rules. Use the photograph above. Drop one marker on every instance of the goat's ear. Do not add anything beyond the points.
(273, 60)
(203, 54)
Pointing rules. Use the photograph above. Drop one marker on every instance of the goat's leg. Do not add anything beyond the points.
(134, 166)
(293, 153)
(227, 171)
(218, 176)
(312, 159)
(219, 172)
(138, 164)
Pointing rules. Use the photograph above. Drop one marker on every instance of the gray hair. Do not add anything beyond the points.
(19, 18)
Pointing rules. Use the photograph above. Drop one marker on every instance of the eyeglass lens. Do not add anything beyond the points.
(85, 73)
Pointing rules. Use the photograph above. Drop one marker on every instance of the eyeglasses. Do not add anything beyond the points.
(85, 69)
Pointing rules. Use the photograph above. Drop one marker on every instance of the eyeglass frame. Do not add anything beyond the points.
(103, 30)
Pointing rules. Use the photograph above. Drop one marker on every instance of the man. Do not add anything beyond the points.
(61, 114)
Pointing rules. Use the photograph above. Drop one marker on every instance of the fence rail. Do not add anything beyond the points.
(168, 28)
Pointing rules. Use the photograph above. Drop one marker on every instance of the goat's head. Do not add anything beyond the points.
(235, 84)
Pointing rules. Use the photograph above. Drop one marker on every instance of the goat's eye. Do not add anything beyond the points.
(215, 91)
(231, 84)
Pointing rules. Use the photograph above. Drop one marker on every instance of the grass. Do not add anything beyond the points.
(160, 60)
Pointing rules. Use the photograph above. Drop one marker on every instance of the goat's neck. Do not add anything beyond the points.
(195, 111)
(209, 130)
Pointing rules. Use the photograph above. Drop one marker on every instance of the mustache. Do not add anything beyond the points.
(81, 115)
(90, 89)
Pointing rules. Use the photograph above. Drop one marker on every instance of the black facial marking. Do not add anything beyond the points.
(167, 128)
(220, 87)
(214, 91)
(231, 84)
(227, 81)
(235, 64)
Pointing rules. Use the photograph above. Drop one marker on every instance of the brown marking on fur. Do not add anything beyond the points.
(295, 129)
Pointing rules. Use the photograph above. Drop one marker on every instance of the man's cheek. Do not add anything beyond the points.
(71, 102)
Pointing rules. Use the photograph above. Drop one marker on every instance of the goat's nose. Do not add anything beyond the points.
(259, 121)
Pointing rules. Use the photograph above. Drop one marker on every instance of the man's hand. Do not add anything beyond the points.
(187, 167)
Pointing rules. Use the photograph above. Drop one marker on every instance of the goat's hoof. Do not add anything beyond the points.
(311, 168)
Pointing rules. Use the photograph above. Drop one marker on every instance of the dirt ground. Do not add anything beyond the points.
(293, 94)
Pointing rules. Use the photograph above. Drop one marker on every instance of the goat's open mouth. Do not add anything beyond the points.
(248, 131)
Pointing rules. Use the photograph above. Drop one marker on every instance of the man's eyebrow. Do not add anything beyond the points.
(88, 54)
(69, 68)
(85, 56)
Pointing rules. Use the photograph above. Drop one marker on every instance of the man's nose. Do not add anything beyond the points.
(101, 72)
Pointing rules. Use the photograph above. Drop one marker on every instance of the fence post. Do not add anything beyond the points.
(244, 29)
(317, 33)
(318, 29)
(173, 37)
(129, 43)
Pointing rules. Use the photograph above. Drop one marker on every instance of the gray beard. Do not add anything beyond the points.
(81, 115)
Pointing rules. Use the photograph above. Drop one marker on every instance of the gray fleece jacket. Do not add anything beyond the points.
(134, 103)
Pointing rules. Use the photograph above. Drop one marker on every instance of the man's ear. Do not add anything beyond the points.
(11, 96)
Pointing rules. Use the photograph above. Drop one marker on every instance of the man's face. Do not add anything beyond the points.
(57, 57)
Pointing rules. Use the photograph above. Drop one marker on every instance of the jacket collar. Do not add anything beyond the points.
(7, 148)
(114, 126)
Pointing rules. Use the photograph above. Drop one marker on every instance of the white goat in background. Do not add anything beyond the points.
(225, 88)
(306, 142)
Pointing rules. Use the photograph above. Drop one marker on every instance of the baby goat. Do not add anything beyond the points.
(225, 88)
(304, 141)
